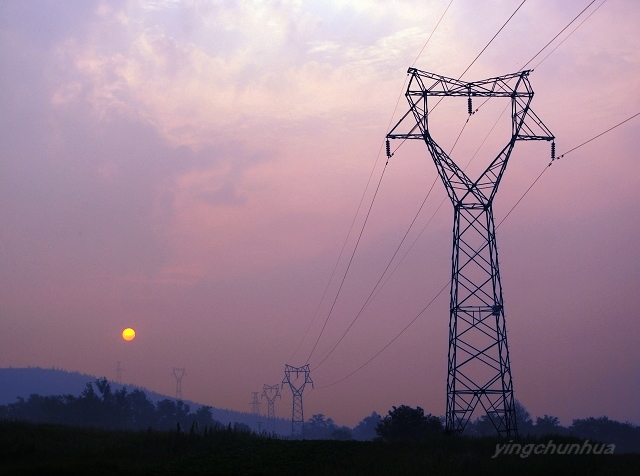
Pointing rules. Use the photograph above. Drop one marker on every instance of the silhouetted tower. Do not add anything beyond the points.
(255, 404)
(178, 373)
(297, 384)
(118, 372)
(478, 364)
(271, 392)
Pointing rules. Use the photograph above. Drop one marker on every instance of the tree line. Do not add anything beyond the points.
(100, 407)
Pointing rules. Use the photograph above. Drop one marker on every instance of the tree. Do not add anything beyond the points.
(625, 436)
(342, 434)
(548, 425)
(484, 426)
(366, 429)
(523, 419)
(142, 411)
(404, 423)
(317, 428)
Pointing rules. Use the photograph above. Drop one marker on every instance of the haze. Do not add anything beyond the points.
(192, 169)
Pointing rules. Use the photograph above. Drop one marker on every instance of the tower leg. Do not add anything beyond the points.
(297, 417)
(479, 371)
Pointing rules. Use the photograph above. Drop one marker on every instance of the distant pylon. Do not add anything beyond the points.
(271, 392)
(118, 372)
(297, 387)
(178, 373)
(255, 404)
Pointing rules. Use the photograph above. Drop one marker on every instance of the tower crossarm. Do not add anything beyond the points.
(290, 370)
(271, 392)
(414, 124)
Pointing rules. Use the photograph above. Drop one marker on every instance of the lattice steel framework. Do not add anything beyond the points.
(478, 362)
(297, 387)
(119, 370)
(271, 392)
(178, 373)
(255, 404)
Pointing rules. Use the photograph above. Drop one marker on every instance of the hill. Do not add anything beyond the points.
(22, 382)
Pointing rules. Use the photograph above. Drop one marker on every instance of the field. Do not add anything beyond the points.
(53, 449)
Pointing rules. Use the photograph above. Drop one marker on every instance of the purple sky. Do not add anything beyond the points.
(192, 170)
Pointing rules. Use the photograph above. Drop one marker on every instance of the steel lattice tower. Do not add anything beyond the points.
(118, 372)
(255, 404)
(478, 362)
(297, 387)
(178, 373)
(271, 392)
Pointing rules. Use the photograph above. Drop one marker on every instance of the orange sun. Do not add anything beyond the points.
(128, 334)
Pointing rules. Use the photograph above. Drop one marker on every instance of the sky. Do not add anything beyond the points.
(193, 170)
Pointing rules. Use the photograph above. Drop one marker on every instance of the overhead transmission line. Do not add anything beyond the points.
(572, 32)
(445, 286)
(358, 209)
(378, 287)
(436, 179)
(558, 158)
(344, 277)
(561, 31)
(373, 293)
(467, 69)
(491, 40)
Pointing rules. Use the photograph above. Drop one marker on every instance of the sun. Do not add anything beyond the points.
(128, 334)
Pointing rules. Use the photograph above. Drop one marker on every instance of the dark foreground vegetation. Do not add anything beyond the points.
(106, 432)
(28, 448)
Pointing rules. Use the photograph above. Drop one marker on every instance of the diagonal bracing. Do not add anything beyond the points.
(297, 378)
(271, 392)
(479, 372)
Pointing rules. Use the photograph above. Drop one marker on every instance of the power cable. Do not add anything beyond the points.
(470, 65)
(558, 158)
(491, 40)
(341, 252)
(377, 288)
(391, 341)
(566, 37)
(432, 32)
(349, 265)
(500, 223)
(363, 195)
(553, 39)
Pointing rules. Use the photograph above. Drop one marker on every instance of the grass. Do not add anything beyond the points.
(53, 449)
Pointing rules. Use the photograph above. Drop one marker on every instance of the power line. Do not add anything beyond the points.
(344, 277)
(432, 32)
(572, 32)
(445, 286)
(491, 40)
(362, 198)
(553, 39)
(377, 288)
(469, 67)
(390, 342)
(558, 158)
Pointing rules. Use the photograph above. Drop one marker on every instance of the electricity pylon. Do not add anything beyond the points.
(478, 363)
(178, 373)
(118, 372)
(297, 387)
(271, 392)
(255, 404)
